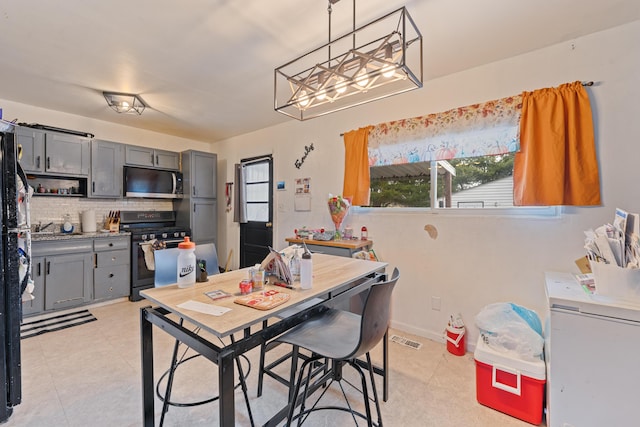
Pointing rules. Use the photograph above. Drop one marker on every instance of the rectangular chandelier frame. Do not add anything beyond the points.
(379, 59)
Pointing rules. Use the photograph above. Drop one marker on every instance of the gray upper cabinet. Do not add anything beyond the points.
(31, 142)
(200, 169)
(152, 158)
(53, 153)
(197, 210)
(107, 159)
(66, 154)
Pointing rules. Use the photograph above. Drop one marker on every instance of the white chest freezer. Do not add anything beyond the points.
(592, 351)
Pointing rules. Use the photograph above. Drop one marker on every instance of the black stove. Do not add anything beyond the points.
(148, 227)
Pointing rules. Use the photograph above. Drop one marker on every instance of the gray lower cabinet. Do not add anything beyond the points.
(74, 272)
(65, 271)
(111, 278)
(36, 305)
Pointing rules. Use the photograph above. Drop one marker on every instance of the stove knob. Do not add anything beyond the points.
(152, 236)
(164, 235)
(176, 234)
(143, 237)
(182, 234)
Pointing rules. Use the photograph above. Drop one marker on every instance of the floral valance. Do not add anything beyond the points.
(489, 128)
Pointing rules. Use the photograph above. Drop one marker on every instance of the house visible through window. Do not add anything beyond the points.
(472, 182)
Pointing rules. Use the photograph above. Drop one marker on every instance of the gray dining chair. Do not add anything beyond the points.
(166, 273)
(207, 252)
(342, 337)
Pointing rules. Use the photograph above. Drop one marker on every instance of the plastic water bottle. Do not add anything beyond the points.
(186, 263)
(294, 265)
(306, 269)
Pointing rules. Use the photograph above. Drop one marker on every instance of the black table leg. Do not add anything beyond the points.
(227, 392)
(146, 340)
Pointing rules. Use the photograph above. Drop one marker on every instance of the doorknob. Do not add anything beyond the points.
(269, 225)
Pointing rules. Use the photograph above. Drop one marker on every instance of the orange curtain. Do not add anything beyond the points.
(557, 162)
(356, 166)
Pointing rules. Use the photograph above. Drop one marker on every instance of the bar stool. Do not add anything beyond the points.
(342, 336)
(166, 273)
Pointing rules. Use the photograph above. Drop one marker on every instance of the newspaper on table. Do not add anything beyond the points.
(275, 265)
(617, 243)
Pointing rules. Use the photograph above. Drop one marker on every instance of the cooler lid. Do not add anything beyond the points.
(490, 356)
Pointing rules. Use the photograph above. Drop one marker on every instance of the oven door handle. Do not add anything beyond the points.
(165, 241)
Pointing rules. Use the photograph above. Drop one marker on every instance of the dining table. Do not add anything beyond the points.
(335, 280)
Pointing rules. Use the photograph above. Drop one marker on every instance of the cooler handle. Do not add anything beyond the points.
(455, 342)
(513, 390)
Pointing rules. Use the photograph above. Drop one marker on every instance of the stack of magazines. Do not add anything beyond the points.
(275, 266)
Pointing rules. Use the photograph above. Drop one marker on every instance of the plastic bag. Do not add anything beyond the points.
(510, 327)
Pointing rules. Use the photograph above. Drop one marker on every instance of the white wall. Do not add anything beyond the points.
(476, 260)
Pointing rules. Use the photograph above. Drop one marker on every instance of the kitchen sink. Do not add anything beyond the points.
(42, 233)
(54, 233)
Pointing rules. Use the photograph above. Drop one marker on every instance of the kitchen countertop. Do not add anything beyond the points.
(64, 236)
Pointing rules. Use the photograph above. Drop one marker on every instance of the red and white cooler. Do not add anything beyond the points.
(510, 384)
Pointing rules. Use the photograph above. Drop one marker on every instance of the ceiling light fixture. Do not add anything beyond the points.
(125, 102)
(379, 59)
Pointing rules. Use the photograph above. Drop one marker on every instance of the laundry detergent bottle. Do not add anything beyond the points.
(186, 263)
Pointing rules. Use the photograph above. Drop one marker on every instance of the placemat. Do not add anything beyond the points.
(263, 300)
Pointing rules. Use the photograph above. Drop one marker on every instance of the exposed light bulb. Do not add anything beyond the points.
(388, 71)
(362, 77)
(341, 86)
(303, 99)
(124, 104)
(321, 95)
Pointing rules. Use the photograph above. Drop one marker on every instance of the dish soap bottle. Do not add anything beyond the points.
(186, 263)
(67, 227)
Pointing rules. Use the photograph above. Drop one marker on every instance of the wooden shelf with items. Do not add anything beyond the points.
(58, 186)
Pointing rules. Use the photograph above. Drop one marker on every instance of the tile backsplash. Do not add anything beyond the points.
(45, 209)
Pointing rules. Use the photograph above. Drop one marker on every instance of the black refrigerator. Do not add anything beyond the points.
(15, 253)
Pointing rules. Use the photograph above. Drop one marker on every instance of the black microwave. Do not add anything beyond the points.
(152, 183)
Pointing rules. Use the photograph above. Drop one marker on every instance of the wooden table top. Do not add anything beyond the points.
(341, 243)
(330, 273)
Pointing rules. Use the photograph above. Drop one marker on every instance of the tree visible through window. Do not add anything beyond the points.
(472, 182)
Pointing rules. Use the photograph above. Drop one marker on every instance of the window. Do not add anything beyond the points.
(473, 182)
(257, 186)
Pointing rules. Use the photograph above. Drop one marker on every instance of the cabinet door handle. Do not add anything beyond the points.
(152, 158)
(48, 162)
(48, 267)
(39, 269)
(38, 162)
(111, 275)
(194, 208)
(110, 243)
(93, 187)
(194, 190)
(157, 159)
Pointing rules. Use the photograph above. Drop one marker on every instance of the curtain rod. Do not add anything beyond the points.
(589, 83)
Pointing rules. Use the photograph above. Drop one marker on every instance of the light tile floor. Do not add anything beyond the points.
(90, 375)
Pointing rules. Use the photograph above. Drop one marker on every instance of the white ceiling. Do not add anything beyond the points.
(205, 67)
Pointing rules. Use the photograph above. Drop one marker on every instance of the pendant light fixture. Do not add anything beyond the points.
(125, 102)
(377, 60)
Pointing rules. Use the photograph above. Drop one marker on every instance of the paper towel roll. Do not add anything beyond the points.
(89, 221)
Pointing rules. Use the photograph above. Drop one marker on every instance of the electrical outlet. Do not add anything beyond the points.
(435, 303)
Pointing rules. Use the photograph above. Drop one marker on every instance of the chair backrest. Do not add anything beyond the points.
(376, 314)
(207, 251)
(166, 264)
